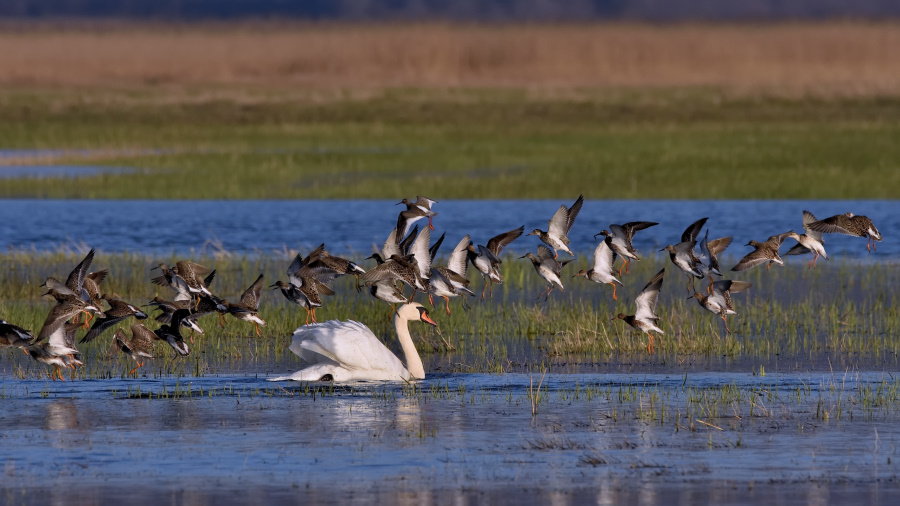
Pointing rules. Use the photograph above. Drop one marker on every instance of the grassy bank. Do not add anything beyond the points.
(683, 144)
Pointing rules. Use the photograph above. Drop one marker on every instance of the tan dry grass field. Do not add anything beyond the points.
(834, 58)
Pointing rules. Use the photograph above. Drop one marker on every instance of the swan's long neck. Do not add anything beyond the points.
(413, 362)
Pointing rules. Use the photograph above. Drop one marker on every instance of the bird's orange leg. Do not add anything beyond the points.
(222, 320)
(650, 348)
(726, 324)
(192, 335)
(614, 292)
(431, 300)
(621, 267)
(314, 315)
(448, 305)
(483, 290)
(626, 266)
(307, 316)
(492, 290)
(135, 369)
(257, 330)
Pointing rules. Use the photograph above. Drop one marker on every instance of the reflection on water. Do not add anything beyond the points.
(61, 415)
(354, 226)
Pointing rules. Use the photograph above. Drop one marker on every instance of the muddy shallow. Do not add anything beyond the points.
(655, 438)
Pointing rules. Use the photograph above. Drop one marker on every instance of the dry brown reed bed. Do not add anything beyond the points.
(838, 58)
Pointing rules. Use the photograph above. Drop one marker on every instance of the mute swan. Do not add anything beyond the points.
(349, 351)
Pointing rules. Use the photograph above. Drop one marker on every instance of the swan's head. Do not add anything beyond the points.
(415, 312)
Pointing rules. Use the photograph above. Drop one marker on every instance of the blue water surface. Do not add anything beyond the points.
(356, 226)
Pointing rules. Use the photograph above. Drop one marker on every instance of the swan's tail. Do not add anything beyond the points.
(316, 372)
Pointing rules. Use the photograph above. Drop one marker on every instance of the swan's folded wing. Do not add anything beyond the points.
(349, 343)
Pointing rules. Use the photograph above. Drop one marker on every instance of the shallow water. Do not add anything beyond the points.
(640, 435)
(354, 227)
(605, 439)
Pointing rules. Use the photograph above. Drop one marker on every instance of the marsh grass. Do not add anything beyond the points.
(838, 315)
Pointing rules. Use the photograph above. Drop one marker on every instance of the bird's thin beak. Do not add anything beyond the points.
(595, 235)
(154, 268)
(613, 319)
(663, 249)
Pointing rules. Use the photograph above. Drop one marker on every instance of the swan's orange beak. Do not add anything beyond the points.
(427, 319)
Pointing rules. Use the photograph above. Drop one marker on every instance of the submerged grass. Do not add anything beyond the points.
(469, 143)
(838, 316)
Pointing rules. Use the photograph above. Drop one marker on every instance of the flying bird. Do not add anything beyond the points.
(557, 234)
(644, 317)
(619, 237)
(849, 224)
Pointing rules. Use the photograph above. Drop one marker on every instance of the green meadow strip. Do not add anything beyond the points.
(482, 144)
(840, 312)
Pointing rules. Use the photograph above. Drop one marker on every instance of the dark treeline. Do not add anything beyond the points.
(474, 10)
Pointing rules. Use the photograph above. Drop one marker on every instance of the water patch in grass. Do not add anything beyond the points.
(58, 171)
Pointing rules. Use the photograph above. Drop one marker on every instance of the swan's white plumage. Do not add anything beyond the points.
(349, 351)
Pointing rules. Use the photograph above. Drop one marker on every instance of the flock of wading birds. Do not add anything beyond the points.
(406, 259)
